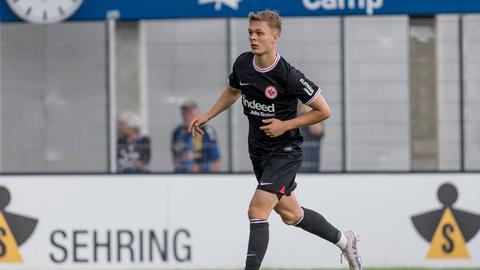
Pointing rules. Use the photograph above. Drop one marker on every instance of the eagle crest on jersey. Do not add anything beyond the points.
(271, 92)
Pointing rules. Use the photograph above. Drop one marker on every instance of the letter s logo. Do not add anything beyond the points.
(446, 231)
(3, 247)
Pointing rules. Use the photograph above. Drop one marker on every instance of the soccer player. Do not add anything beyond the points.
(269, 87)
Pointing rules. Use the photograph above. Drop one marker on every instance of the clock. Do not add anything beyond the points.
(44, 11)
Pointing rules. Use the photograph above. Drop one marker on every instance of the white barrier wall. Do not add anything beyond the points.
(185, 222)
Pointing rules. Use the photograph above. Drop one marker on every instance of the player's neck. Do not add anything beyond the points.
(265, 60)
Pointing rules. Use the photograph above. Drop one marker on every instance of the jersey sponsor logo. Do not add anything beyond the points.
(257, 108)
(271, 92)
(308, 88)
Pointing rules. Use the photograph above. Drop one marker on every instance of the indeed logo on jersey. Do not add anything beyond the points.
(308, 88)
(258, 109)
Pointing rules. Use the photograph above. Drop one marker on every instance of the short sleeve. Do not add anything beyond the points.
(233, 81)
(301, 87)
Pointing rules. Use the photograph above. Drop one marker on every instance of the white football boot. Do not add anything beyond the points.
(351, 251)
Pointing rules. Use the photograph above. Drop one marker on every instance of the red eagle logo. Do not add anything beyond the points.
(271, 92)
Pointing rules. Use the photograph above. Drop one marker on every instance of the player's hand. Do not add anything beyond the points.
(274, 127)
(195, 127)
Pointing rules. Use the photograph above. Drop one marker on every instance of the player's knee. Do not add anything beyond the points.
(255, 212)
(290, 218)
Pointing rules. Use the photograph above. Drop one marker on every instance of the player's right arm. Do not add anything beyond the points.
(226, 99)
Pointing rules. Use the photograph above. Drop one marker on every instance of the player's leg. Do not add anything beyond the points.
(293, 214)
(289, 209)
(261, 206)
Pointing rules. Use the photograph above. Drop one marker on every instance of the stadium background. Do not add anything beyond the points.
(403, 85)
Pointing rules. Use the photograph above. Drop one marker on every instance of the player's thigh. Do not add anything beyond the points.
(261, 204)
(289, 209)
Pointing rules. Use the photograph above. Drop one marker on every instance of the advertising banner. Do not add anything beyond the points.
(161, 9)
(200, 222)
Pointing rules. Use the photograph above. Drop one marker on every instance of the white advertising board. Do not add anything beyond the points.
(189, 222)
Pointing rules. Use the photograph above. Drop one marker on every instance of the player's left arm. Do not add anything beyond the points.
(306, 91)
(320, 112)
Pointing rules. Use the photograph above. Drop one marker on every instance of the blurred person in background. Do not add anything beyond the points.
(194, 154)
(133, 148)
(270, 89)
(312, 142)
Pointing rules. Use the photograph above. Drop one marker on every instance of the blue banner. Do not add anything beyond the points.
(164, 9)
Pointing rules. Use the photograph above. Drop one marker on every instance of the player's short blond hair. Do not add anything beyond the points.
(272, 18)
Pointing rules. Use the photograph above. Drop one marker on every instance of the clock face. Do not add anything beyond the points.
(44, 11)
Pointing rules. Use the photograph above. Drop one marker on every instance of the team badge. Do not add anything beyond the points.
(271, 92)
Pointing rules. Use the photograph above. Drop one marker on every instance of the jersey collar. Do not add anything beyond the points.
(267, 69)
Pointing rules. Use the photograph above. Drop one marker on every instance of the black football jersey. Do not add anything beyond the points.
(271, 92)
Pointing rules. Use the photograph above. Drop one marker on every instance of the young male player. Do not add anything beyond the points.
(269, 87)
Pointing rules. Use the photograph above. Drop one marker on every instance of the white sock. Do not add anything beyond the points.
(342, 243)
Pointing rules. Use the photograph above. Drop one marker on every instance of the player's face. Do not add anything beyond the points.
(263, 39)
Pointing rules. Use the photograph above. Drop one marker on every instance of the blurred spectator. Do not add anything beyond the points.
(133, 149)
(194, 154)
(312, 141)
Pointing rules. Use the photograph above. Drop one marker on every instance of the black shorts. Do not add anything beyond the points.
(276, 172)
